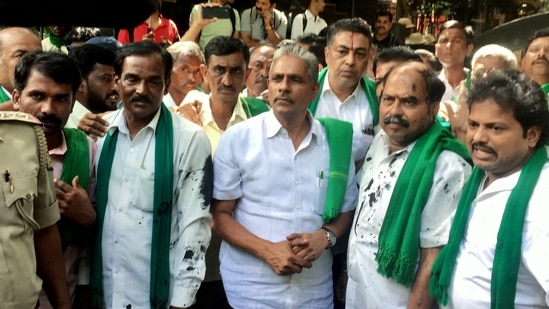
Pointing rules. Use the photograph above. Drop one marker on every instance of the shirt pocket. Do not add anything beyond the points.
(144, 189)
(20, 192)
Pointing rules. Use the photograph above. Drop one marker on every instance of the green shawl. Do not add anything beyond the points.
(339, 135)
(253, 106)
(366, 84)
(75, 163)
(162, 212)
(509, 240)
(399, 235)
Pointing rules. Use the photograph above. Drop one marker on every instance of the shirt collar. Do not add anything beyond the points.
(273, 127)
(387, 145)
(442, 76)
(206, 115)
(119, 122)
(61, 149)
(326, 87)
(168, 100)
(309, 15)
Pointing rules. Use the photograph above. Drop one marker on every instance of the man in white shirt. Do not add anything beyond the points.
(97, 94)
(452, 47)
(344, 92)
(276, 232)
(412, 178)
(153, 193)
(496, 256)
(186, 76)
(309, 21)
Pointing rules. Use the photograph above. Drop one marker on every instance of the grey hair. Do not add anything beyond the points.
(495, 50)
(187, 48)
(304, 55)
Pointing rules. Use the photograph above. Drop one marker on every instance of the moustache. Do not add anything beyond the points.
(396, 120)
(223, 87)
(285, 98)
(138, 98)
(261, 80)
(483, 147)
(542, 58)
(49, 119)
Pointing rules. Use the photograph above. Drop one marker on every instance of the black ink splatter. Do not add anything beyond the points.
(188, 254)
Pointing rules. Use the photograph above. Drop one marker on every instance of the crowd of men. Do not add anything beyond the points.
(238, 169)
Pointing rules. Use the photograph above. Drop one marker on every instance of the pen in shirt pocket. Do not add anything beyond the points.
(320, 176)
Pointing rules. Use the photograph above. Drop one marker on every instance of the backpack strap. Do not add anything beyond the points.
(276, 18)
(253, 12)
(232, 16)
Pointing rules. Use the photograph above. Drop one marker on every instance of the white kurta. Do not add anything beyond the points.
(366, 288)
(278, 192)
(128, 223)
(470, 286)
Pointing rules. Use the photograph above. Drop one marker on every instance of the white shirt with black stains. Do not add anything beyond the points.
(366, 288)
(128, 220)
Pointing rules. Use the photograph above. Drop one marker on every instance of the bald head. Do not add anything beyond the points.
(14, 43)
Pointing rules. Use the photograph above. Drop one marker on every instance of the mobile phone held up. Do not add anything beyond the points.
(216, 11)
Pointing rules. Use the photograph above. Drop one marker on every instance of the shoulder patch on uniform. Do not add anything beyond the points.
(19, 116)
(49, 164)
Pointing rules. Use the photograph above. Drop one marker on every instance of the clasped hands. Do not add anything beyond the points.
(298, 251)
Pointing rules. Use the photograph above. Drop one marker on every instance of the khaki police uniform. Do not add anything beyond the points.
(28, 202)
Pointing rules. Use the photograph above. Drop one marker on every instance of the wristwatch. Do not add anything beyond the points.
(330, 236)
(268, 28)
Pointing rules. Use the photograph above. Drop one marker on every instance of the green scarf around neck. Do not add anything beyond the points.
(366, 84)
(75, 163)
(3, 96)
(162, 213)
(399, 235)
(545, 88)
(56, 41)
(507, 256)
(339, 135)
